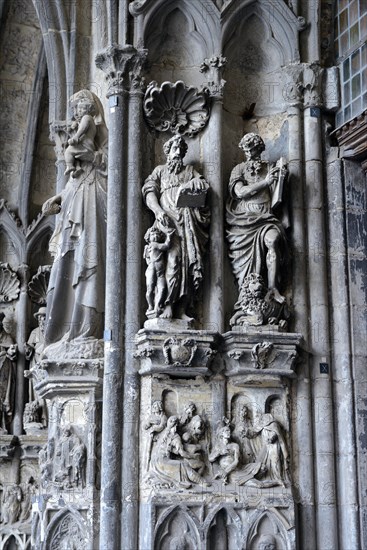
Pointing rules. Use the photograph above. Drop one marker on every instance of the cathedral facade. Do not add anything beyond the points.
(183, 274)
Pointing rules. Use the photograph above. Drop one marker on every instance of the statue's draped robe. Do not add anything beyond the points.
(76, 292)
(248, 222)
(184, 269)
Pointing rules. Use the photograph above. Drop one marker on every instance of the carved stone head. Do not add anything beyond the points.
(253, 145)
(175, 150)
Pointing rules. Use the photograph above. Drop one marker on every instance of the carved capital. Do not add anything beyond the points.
(122, 66)
(312, 85)
(213, 68)
(59, 135)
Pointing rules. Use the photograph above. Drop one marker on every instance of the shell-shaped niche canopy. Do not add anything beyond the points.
(177, 108)
(37, 286)
(9, 283)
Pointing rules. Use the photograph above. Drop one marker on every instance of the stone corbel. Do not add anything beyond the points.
(119, 63)
(312, 85)
(262, 354)
(213, 69)
(189, 355)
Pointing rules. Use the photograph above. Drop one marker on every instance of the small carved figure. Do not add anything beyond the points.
(155, 424)
(35, 411)
(155, 250)
(8, 354)
(192, 443)
(242, 423)
(256, 236)
(267, 542)
(187, 414)
(46, 462)
(271, 467)
(29, 489)
(171, 464)
(81, 145)
(256, 307)
(12, 497)
(70, 458)
(176, 194)
(75, 296)
(262, 354)
(226, 453)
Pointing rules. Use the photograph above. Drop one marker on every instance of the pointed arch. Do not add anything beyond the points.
(173, 516)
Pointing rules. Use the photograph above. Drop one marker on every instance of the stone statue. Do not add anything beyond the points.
(256, 237)
(155, 424)
(226, 453)
(29, 489)
(176, 194)
(257, 307)
(172, 465)
(70, 459)
(271, 466)
(12, 497)
(155, 254)
(8, 354)
(75, 296)
(81, 145)
(46, 462)
(35, 411)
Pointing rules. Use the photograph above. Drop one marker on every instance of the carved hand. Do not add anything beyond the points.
(73, 141)
(163, 218)
(52, 206)
(12, 352)
(28, 351)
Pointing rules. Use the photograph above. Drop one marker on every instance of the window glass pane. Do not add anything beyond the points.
(363, 25)
(346, 93)
(343, 4)
(364, 54)
(364, 101)
(339, 119)
(346, 69)
(343, 20)
(362, 7)
(344, 43)
(356, 107)
(356, 86)
(354, 34)
(347, 112)
(353, 12)
(356, 62)
(364, 80)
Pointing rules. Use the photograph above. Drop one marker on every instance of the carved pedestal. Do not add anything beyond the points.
(66, 512)
(215, 448)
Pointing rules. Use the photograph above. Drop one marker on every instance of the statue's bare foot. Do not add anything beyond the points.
(185, 317)
(149, 311)
(167, 313)
(274, 294)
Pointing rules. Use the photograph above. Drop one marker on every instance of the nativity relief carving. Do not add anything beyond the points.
(181, 452)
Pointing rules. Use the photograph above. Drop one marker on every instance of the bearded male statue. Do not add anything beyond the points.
(176, 194)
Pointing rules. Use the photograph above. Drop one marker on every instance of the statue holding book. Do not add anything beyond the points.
(176, 194)
(256, 220)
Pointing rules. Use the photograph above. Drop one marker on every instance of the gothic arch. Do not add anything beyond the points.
(281, 23)
(230, 516)
(203, 24)
(279, 527)
(65, 519)
(189, 528)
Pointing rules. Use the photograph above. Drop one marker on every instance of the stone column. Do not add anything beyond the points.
(302, 411)
(130, 440)
(319, 335)
(212, 153)
(117, 62)
(342, 358)
(22, 311)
